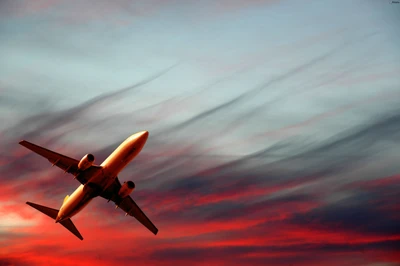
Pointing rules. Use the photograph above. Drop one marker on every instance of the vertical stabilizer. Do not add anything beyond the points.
(66, 197)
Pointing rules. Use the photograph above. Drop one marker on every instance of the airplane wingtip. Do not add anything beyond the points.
(30, 203)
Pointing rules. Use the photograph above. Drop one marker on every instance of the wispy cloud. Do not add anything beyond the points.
(264, 147)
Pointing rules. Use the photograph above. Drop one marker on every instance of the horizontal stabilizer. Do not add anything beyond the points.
(71, 227)
(52, 213)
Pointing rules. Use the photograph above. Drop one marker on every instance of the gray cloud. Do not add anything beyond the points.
(49, 120)
(364, 212)
(302, 253)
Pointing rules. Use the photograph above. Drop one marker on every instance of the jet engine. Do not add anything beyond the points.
(126, 189)
(86, 162)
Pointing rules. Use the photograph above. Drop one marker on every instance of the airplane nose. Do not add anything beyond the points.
(144, 135)
(139, 137)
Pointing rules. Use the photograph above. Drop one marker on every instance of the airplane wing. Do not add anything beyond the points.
(69, 165)
(128, 205)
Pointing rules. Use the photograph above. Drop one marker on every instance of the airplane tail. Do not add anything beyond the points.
(52, 213)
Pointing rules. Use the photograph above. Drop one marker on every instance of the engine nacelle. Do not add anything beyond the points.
(86, 162)
(126, 189)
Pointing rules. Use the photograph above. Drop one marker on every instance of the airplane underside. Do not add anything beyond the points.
(96, 180)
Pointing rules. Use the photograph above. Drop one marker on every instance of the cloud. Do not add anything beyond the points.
(49, 120)
(84, 12)
(326, 199)
(261, 213)
(353, 214)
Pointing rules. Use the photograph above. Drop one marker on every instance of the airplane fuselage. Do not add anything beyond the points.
(104, 177)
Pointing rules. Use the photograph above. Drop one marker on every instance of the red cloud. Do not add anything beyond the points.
(120, 238)
(227, 218)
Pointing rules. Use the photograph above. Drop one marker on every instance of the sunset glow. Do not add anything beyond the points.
(274, 130)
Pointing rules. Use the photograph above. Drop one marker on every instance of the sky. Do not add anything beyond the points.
(274, 130)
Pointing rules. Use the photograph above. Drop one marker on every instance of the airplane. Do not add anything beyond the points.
(96, 180)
